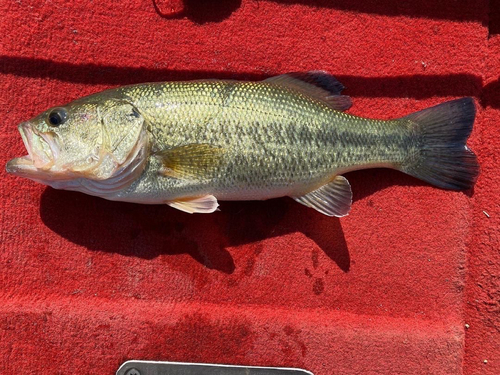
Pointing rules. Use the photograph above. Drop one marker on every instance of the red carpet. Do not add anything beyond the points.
(87, 284)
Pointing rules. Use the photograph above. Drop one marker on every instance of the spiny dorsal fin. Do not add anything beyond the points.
(318, 84)
(332, 199)
(203, 205)
(191, 161)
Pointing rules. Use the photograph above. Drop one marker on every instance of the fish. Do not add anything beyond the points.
(191, 144)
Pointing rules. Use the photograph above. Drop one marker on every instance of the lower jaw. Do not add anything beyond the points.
(22, 166)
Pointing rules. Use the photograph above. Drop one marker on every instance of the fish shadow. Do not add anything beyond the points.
(149, 231)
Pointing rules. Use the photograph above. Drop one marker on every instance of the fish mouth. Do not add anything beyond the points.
(42, 153)
(41, 147)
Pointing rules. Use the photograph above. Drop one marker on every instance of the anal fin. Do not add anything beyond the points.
(205, 204)
(332, 199)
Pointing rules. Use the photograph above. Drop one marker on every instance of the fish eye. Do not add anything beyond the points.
(57, 117)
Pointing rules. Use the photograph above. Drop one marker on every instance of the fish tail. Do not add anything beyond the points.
(442, 157)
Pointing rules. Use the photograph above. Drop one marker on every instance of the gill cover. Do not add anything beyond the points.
(123, 152)
(123, 136)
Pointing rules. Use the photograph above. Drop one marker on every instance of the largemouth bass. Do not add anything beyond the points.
(190, 144)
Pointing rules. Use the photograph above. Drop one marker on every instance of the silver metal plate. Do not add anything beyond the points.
(178, 368)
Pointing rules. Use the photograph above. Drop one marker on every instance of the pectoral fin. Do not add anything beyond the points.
(332, 199)
(205, 204)
(192, 161)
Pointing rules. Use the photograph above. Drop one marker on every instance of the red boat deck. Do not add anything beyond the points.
(87, 284)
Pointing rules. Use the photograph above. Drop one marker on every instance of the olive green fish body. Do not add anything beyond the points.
(189, 144)
(276, 141)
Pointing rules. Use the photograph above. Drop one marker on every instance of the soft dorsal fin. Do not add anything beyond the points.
(317, 84)
(204, 205)
(332, 199)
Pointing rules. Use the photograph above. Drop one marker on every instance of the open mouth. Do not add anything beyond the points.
(40, 147)
(42, 152)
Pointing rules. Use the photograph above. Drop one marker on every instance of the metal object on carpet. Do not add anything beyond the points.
(179, 368)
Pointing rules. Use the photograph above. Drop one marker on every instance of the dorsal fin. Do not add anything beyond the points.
(317, 84)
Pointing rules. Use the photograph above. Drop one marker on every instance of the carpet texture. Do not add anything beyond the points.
(408, 283)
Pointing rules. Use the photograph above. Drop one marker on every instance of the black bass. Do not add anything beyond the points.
(190, 144)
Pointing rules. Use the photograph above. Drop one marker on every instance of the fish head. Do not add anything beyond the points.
(91, 138)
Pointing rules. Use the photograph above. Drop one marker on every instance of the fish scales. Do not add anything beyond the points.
(189, 144)
(288, 136)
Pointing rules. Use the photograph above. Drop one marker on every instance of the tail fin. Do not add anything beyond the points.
(443, 158)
